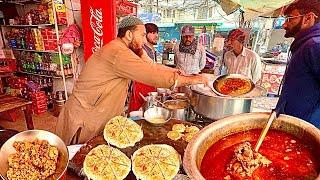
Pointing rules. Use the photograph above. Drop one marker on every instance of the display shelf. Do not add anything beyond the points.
(26, 26)
(21, 2)
(43, 75)
(29, 50)
(54, 35)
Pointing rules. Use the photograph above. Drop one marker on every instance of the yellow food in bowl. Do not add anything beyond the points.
(157, 120)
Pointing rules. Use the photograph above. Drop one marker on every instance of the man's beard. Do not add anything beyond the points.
(293, 31)
(187, 43)
(151, 42)
(134, 47)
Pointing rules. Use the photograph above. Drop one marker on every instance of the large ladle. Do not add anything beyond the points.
(274, 114)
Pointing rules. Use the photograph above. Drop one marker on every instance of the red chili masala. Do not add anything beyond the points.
(291, 158)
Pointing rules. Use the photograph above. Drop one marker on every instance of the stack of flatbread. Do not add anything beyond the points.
(106, 162)
(158, 161)
(122, 132)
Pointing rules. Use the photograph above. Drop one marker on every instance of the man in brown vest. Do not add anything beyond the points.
(101, 90)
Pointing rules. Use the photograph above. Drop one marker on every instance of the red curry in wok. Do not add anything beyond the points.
(287, 157)
(234, 86)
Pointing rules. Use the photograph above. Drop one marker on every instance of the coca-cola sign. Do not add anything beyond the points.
(98, 24)
(125, 8)
(97, 28)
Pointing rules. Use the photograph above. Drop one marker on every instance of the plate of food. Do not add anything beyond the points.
(156, 161)
(106, 162)
(33, 154)
(122, 132)
(233, 85)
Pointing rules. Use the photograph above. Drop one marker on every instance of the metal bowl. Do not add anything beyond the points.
(212, 133)
(31, 135)
(152, 114)
(220, 79)
(179, 108)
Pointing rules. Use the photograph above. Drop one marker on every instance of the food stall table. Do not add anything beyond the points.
(151, 135)
(8, 103)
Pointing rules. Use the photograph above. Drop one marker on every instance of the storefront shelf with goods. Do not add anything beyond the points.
(26, 26)
(34, 35)
(30, 50)
(42, 75)
(30, 26)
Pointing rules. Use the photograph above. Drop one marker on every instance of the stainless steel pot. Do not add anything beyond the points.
(209, 135)
(217, 107)
(177, 112)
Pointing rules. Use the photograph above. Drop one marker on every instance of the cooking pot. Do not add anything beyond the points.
(30, 135)
(209, 135)
(179, 108)
(207, 104)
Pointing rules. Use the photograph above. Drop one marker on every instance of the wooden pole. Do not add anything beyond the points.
(59, 49)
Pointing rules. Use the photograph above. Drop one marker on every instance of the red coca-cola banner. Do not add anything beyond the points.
(98, 24)
(125, 8)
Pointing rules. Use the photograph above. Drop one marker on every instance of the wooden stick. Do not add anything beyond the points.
(263, 134)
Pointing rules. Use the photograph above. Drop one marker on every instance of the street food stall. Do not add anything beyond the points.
(156, 145)
(198, 133)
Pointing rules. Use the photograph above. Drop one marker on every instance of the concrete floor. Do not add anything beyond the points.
(44, 121)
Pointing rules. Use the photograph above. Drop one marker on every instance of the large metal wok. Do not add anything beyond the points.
(31, 135)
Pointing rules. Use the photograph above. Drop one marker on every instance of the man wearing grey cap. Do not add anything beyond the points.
(101, 90)
(189, 55)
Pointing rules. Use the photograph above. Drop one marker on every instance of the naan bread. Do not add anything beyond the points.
(192, 129)
(180, 130)
(178, 127)
(188, 136)
(158, 161)
(107, 163)
(174, 135)
(122, 132)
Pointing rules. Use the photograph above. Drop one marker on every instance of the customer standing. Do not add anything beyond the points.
(189, 55)
(300, 95)
(138, 88)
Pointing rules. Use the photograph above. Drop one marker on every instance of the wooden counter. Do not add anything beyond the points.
(152, 135)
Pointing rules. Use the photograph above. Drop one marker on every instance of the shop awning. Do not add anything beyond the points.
(254, 8)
